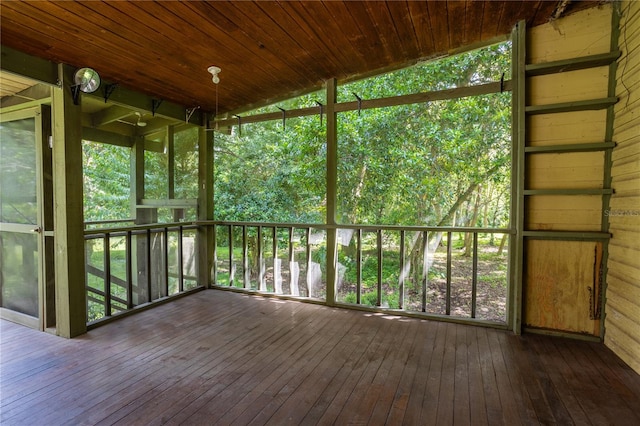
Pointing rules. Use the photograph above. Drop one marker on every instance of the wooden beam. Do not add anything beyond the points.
(109, 115)
(455, 93)
(22, 64)
(103, 136)
(39, 92)
(125, 97)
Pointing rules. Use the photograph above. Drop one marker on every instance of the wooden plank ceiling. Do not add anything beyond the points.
(268, 50)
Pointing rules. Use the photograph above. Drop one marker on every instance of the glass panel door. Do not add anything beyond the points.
(21, 237)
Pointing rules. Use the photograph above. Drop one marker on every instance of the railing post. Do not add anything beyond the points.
(129, 271)
(294, 269)
(474, 279)
(165, 261)
(232, 267)
(448, 291)
(425, 268)
(107, 275)
(277, 277)
(379, 253)
(261, 284)
(359, 266)
(246, 273)
(180, 261)
(403, 270)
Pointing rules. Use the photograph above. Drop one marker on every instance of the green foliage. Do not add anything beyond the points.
(436, 163)
(412, 164)
(106, 181)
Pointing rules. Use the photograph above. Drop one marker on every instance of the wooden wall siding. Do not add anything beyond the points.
(567, 128)
(583, 34)
(568, 86)
(558, 274)
(568, 170)
(563, 213)
(622, 321)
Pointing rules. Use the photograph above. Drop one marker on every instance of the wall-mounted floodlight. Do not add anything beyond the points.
(86, 80)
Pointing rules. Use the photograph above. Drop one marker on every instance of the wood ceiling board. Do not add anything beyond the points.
(491, 15)
(340, 29)
(268, 50)
(439, 26)
(456, 14)
(367, 16)
(249, 67)
(421, 24)
(287, 17)
(287, 55)
(473, 16)
(400, 16)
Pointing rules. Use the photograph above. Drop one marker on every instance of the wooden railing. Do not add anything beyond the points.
(412, 270)
(130, 267)
(459, 274)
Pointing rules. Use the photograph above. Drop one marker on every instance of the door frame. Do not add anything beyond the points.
(44, 218)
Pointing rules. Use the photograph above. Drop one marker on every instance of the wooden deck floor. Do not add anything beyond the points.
(218, 357)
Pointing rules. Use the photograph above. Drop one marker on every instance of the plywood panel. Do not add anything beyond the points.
(566, 128)
(569, 170)
(563, 213)
(557, 280)
(568, 86)
(580, 34)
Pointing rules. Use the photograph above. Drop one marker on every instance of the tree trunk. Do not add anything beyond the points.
(472, 222)
(502, 242)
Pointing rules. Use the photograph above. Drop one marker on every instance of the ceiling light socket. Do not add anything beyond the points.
(214, 73)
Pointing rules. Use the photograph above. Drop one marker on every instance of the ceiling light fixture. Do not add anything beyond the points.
(214, 74)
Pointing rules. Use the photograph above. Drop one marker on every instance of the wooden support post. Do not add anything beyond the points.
(141, 216)
(71, 311)
(518, 132)
(205, 240)
(332, 191)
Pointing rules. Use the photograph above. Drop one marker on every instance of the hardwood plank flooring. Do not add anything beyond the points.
(218, 357)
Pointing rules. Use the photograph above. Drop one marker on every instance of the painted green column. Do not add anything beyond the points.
(516, 244)
(332, 191)
(205, 203)
(71, 301)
